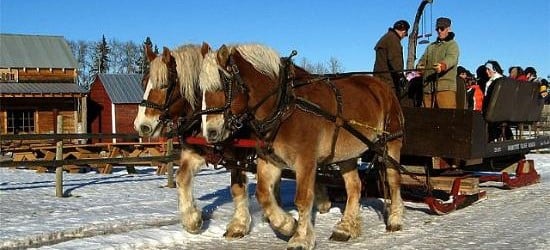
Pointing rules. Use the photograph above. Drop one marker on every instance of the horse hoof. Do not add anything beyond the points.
(296, 248)
(195, 228)
(339, 236)
(393, 228)
(233, 235)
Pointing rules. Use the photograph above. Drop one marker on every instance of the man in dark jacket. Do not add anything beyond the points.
(389, 56)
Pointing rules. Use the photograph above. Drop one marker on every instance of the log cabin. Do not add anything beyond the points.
(38, 82)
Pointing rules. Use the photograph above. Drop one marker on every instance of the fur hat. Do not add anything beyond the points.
(401, 25)
(443, 22)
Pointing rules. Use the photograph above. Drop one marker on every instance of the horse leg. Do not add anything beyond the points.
(393, 176)
(350, 224)
(268, 176)
(240, 223)
(191, 216)
(304, 237)
(322, 201)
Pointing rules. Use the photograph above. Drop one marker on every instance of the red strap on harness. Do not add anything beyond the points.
(239, 143)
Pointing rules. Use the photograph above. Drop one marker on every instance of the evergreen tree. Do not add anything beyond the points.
(142, 61)
(100, 57)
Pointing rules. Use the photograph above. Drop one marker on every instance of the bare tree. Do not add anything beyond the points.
(131, 57)
(320, 68)
(81, 52)
(335, 66)
(116, 56)
(304, 63)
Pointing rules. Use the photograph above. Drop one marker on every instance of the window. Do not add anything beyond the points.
(20, 121)
(7, 75)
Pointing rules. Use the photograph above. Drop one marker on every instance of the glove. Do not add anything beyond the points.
(439, 67)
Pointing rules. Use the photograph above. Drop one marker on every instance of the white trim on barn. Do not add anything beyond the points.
(113, 120)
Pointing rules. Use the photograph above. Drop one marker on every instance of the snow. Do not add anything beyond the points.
(136, 211)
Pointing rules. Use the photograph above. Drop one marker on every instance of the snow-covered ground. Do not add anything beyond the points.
(135, 211)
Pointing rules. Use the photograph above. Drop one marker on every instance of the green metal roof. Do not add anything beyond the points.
(123, 88)
(35, 51)
(40, 88)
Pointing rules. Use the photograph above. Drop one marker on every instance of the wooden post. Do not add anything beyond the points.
(170, 164)
(59, 157)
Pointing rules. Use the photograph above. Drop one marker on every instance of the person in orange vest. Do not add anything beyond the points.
(474, 94)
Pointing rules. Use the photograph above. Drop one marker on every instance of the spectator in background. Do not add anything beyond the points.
(474, 94)
(495, 130)
(494, 71)
(516, 72)
(461, 83)
(388, 65)
(482, 77)
(531, 75)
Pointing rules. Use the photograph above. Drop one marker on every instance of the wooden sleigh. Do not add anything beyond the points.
(454, 149)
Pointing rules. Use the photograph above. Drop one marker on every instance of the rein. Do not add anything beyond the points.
(286, 102)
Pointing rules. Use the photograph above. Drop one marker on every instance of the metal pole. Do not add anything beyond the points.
(413, 36)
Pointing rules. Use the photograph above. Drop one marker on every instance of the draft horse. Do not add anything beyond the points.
(172, 96)
(305, 122)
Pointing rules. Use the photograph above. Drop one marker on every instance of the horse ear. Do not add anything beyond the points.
(205, 48)
(166, 56)
(150, 55)
(223, 55)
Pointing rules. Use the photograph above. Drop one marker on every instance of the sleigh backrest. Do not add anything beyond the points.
(509, 100)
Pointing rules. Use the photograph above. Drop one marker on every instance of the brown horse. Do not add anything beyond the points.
(306, 123)
(172, 92)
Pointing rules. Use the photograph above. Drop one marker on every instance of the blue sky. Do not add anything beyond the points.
(510, 31)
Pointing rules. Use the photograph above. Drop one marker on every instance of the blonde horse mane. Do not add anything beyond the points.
(264, 59)
(188, 60)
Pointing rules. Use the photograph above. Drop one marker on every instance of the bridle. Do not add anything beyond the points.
(170, 99)
(229, 79)
(232, 80)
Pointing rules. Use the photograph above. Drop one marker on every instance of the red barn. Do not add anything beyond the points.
(113, 103)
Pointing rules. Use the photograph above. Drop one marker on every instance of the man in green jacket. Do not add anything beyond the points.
(440, 61)
(389, 56)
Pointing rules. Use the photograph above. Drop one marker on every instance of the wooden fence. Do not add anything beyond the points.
(75, 157)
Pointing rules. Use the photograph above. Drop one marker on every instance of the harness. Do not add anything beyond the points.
(170, 99)
(286, 103)
(189, 125)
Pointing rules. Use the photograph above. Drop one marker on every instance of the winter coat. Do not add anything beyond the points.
(389, 57)
(474, 95)
(445, 52)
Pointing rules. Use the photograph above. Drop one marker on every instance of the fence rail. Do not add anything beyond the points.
(66, 136)
(166, 157)
(54, 163)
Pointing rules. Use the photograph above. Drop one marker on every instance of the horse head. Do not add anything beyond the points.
(236, 82)
(171, 89)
